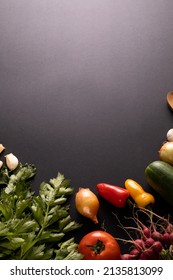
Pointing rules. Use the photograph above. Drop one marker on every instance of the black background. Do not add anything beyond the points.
(83, 89)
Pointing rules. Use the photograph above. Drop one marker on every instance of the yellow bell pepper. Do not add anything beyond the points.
(141, 197)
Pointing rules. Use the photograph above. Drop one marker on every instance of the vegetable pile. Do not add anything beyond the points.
(34, 227)
(154, 238)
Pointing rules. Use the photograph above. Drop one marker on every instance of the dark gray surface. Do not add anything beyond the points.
(83, 87)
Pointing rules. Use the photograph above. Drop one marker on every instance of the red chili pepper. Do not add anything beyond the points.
(114, 194)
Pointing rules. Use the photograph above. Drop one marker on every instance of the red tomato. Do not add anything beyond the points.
(99, 245)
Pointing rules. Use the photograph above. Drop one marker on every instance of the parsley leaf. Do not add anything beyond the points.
(34, 226)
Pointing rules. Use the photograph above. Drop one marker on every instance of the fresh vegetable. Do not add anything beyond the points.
(99, 245)
(2, 148)
(33, 227)
(153, 240)
(114, 194)
(159, 176)
(166, 152)
(169, 135)
(87, 204)
(141, 198)
(11, 161)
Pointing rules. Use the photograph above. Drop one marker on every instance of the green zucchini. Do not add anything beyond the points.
(159, 175)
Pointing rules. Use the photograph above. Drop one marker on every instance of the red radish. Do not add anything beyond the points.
(139, 244)
(157, 236)
(134, 252)
(149, 242)
(166, 239)
(171, 238)
(143, 256)
(151, 255)
(148, 254)
(127, 257)
(147, 232)
(157, 246)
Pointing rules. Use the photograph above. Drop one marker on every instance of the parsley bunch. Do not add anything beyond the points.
(33, 227)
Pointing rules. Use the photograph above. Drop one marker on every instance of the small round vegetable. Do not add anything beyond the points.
(143, 256)
(157, 236)
(87, 204)
(135, 252)
(157, 246)
(149, 242)
(166, 152)
(146, 232)
(150, 253)
(139, 244)
(170, 135)
(166, 239)
(99, 245)
(127, 257)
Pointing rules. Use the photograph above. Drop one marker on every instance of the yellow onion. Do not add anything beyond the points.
(166, 152)
(87, 204)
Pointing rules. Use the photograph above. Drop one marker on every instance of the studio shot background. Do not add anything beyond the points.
(83, 89)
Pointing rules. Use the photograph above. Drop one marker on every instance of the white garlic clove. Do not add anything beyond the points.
(170, 135)
(1, 163)
(11, 161)
(1, 148)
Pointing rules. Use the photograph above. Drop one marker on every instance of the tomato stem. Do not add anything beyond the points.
(98, 247)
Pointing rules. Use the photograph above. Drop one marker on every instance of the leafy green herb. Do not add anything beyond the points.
(34, 226)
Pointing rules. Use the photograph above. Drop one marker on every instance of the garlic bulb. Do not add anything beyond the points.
(170, 135)
(11, 161)
(1, 163)
(1, 148)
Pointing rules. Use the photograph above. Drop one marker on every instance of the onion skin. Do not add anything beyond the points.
(87, 204)
(166, 152)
